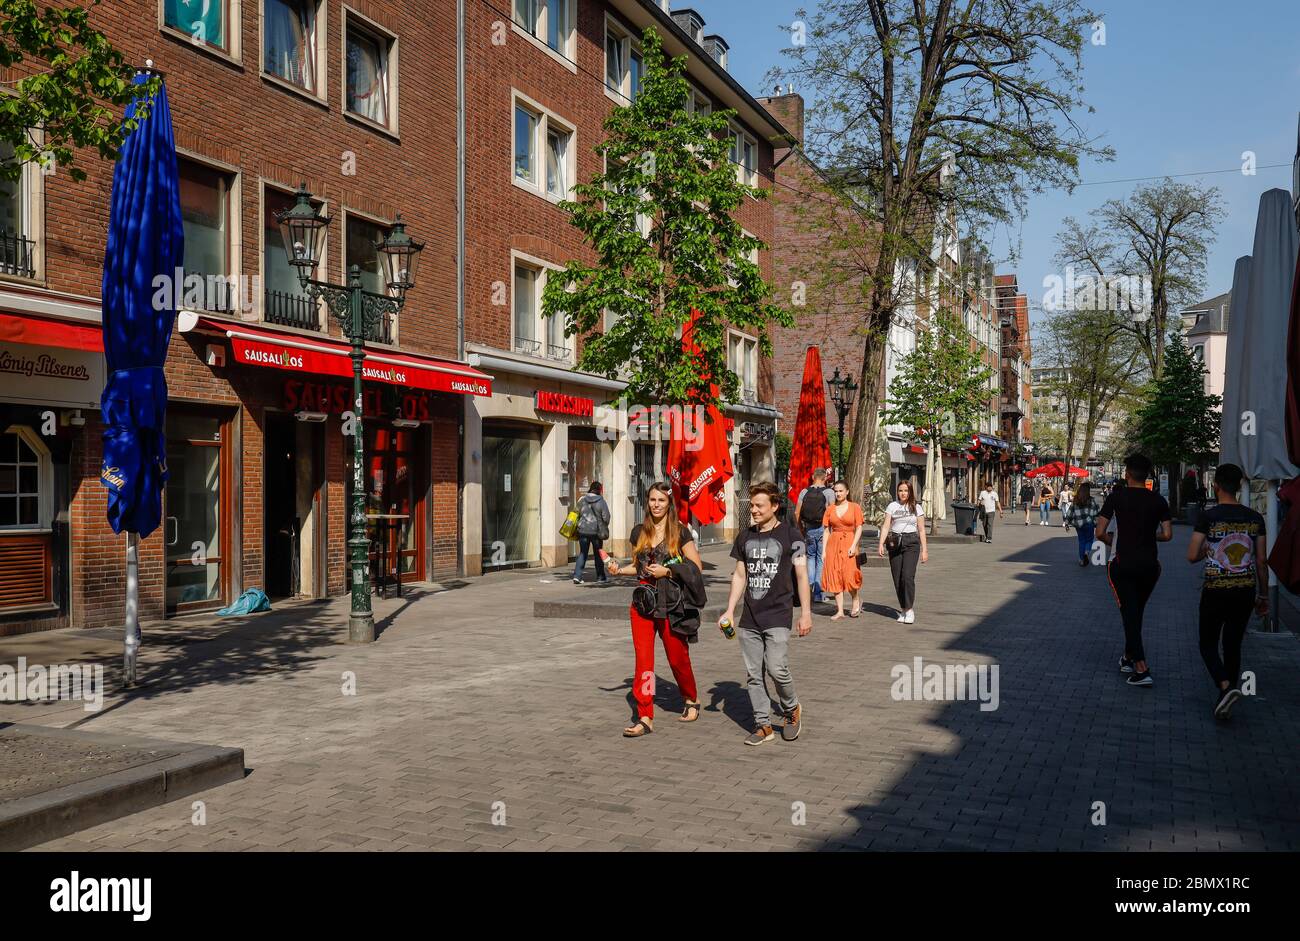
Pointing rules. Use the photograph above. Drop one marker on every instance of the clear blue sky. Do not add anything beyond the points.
(1181, 86)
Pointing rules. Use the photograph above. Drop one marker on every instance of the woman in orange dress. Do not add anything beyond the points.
(840, 572)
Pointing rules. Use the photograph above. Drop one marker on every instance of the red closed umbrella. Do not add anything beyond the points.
(699, 455)
(811, 448)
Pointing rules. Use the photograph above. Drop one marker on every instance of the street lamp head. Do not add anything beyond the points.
(399, 254)
(837, 387)
(303, 228)
(850, 390)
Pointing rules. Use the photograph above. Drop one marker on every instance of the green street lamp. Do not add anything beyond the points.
(843, 391)
(358, 312)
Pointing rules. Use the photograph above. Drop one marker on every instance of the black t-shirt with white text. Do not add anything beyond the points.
(1135, 513)
(769, 574)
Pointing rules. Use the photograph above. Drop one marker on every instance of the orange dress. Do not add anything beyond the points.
(840, 570)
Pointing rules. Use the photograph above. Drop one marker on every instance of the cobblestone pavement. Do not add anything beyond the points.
(467, 707)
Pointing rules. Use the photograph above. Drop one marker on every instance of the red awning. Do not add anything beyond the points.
(38, 331)
(294, 352)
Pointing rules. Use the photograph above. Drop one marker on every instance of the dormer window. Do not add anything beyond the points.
(692, 23)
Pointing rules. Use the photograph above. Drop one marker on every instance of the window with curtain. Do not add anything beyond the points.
(289, 38)
(277, 273)
(525, 144)
(557, 163)
(202, 20)
(367, 82)
(205, 199)
(363, 241)
(525, 309)
(13, 202)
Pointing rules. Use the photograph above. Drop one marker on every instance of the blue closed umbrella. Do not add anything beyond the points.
(145, 240)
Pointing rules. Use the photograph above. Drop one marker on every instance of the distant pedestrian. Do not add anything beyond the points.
(1067, 498)
(1231, 538)
(810, 510)
(593, 530)
(1083, 517)
(658, 541)
(1026, 498)
(769, 569)
(1132, 520)
(989, 505)
(843, 520)
(1045, 494)
(902, 537)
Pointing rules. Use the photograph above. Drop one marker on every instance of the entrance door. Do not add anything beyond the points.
(394, 499)
(512, 497)
(281, 524)
(197, 528)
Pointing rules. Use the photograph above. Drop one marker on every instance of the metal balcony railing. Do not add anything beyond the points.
(16, 253)
(525, 345)
(381, 331)
(554, 351)
(292, 310)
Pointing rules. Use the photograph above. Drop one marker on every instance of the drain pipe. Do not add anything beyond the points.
(460, 179)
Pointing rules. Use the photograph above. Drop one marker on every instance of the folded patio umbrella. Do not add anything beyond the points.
(145, 239)
(699, 455)
(1233, 379)
(811, 446)
(1056, 469)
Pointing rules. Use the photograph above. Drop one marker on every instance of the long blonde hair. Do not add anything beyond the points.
(645, 535)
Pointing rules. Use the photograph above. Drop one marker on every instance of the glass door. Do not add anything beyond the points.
(512, 497)
(195, 530)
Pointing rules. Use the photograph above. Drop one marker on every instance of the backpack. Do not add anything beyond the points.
(814, 507)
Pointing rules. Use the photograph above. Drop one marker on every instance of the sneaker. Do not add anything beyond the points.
(1140, 679)
(762, 735)
(1083, 563)
(577, 581)
(1223, 709)
(902, 617)
(911, 618)
(1125, 665)
(790, 731)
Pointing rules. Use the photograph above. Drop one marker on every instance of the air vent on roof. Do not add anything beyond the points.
(692, 22)
(717, 47)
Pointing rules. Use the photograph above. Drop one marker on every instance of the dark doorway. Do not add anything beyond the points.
(280, 516)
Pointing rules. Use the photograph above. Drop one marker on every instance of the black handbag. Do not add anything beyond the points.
(892, 541)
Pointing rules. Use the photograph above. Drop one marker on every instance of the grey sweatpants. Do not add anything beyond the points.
(771, 647)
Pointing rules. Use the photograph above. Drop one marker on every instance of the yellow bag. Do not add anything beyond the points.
(569, 528)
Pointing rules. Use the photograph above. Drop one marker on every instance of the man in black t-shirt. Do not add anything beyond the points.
(1232, 541)
(770, 560)
(1132, 520)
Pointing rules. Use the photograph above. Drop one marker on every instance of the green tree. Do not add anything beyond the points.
(661, 221)
(76, 79)
(1178, 423)
(942, 387)
(932, 111)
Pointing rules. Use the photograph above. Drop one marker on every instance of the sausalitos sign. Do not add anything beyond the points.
(336, 398)
(563, 404)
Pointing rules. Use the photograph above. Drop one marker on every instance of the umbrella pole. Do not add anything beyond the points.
(131, 641)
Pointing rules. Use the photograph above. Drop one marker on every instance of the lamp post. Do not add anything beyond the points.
(358, 312)
(843, 389)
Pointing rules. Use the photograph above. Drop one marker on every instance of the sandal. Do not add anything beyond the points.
(856, 612)
(639, 730)
(689, 706)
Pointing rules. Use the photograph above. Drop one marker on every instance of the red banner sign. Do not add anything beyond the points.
(564, 404)
(336, 398)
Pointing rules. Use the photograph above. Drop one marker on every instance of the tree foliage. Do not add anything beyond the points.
(1179, 421)
(661, 220)
(76, 79)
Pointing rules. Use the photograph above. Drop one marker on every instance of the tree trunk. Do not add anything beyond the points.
(871, 393)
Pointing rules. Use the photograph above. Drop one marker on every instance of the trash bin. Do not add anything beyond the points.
(965, 516)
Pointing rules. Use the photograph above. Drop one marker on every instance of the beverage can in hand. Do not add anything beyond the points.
(728, 630)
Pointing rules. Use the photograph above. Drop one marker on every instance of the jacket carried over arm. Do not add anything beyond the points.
(682, 595)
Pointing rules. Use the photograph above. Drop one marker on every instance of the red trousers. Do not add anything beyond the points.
(644, 630)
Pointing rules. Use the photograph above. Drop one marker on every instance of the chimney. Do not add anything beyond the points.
(717, 47)
(787, 108)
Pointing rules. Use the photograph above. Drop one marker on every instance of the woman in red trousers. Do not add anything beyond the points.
(659, 538)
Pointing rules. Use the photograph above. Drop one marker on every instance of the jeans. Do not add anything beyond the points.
(902, 566)
(1045, 512)
(1133, 585)
(589, 545)
(1226, 612)
(768, 647)
(988, 524)
(814, 542)
(1086, 533)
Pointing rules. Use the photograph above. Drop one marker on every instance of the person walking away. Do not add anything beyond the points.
(769, 570)
(843, 520)
(810, 510)
(593, 530)
(1067, 499)
(989, 504)
(1026, 498)
(903, 537)
(1232, 541)
(657, 541)
(1083, 517)
(1131, 521)
(1045, 495)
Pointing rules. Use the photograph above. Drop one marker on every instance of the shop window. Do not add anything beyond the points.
(205, 213)
(292, 43)
(283, 299)
(19, 218)
(211, 24)
(545, 161)
(362, 250)
(371, 87)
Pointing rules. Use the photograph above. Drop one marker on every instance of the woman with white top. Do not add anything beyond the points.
(903, 536)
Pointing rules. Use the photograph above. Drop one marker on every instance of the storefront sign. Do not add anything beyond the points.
(757, 431)
(336, 398)
(47, 375)
(563, 404)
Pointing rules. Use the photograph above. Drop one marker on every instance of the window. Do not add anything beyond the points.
(209, 23)
(290, 48)
(205, 211)
(540, 136)
(744, 154)
(371, 86)
(285, 303)
(742, 357)
(533, 333)
(25, 484)
(362, 250)
(623, 64)
(550, 22)
(697, 102)
(17, 239)
(1198, 352)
